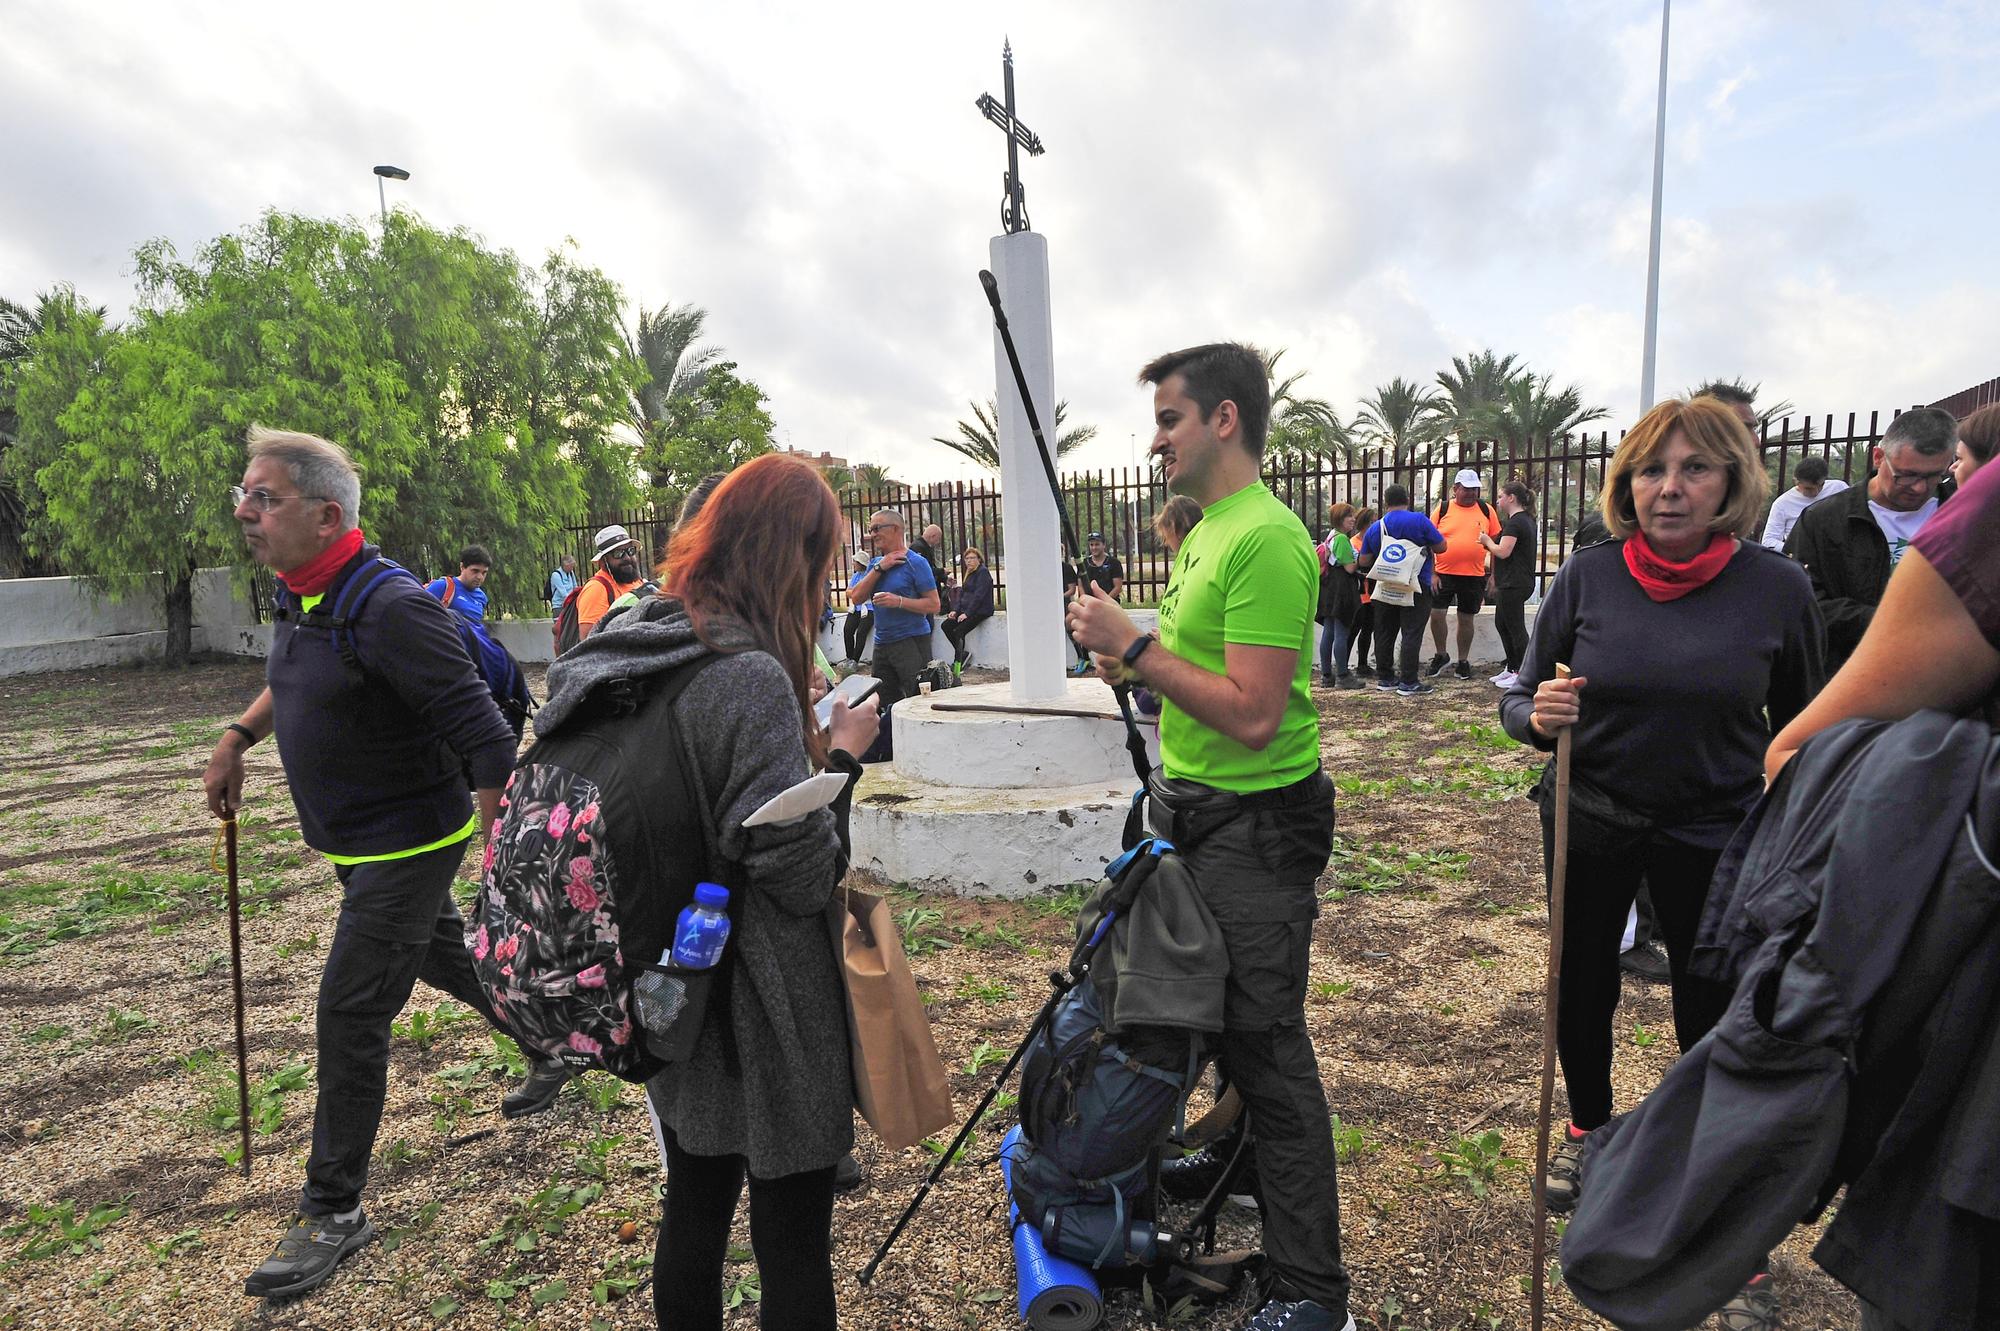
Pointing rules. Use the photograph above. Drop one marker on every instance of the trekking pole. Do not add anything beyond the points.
(1558, 874)
(1061, 982)
(1135, 743)
(226, 836)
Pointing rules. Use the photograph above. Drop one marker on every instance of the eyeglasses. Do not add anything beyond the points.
(881, 527)
(263, 499)
(1917, 480)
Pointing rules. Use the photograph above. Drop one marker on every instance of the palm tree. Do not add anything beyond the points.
(839, 479)
(1529, 414)
(1400, 420)
(665, 345)
(1302, 426)
(978, 439)
(1473, 388)
(1765, 415)
(872, 479)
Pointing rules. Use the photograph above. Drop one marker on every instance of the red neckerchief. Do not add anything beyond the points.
(1665, 580)
(313, 577)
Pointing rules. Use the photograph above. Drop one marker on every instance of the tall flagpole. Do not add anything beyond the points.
(1653, 255)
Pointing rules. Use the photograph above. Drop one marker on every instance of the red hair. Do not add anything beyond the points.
(759, 552)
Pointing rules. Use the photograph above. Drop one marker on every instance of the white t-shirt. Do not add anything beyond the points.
(1898, 528)
(1785, 510)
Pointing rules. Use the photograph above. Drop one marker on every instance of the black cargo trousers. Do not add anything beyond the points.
(1257, 859)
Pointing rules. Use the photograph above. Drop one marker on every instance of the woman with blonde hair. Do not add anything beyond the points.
(1689, 646)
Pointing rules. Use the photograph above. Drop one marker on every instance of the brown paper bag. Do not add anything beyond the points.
(899, 1080)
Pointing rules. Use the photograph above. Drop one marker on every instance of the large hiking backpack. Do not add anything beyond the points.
(1098, 1109)
(496, 665)
(600, 844)
(567, 632)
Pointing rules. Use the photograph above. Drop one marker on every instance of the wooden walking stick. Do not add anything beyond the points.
(227, 836)
(1558, 873)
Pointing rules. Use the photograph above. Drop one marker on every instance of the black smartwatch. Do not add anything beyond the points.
(1137, 649)
(249, 735)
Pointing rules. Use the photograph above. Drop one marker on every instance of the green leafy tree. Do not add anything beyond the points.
(1472, 390)
(978, 439)
(873, 479)
(665, 343)
(19, 325)
(718, 427)
(1766, 416)
(840, 479)
(1302, 426)
(1531, 412)
(1400, 421)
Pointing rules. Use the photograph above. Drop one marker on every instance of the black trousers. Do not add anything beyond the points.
(1258, 872)
(397, 925)
(956, 631)
(1399, 638)
(854, 632)
(1599, 891)
(897, 664)
(791, 1233)
(1511, 619)
(1360, 638)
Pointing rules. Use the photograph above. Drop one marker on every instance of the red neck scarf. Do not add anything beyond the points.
(1665, 580)
(313, 577)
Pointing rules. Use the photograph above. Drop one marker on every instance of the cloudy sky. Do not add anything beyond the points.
(1373, 186)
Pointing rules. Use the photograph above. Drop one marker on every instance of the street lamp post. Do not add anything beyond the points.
(1653, 250)
(383, 173)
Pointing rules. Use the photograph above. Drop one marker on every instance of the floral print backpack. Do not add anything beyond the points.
(599, 844)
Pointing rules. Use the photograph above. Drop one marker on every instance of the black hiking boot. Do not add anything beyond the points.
(847, 1174)
(1190, 1178)
(306, 1257)
(1297, 1315)
(545, 1082)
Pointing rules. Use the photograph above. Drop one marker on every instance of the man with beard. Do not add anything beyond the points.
(617, 557)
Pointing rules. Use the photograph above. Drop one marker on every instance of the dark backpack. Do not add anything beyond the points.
(600, 845)
(1097, 1110)
(496, 665)
(1484, 508)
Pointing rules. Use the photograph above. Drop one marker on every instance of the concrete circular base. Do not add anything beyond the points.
(941, 741)
(1006, 802)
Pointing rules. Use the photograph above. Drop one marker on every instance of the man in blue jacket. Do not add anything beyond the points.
(903, 594)
(1395, 622)
(377, 720)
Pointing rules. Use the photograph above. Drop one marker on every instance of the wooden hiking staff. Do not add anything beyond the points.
(1558, 873)
(226, 836)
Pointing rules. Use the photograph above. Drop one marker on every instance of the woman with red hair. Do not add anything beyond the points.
(767, 1092)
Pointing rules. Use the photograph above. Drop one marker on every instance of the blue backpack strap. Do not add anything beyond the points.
(354, 594)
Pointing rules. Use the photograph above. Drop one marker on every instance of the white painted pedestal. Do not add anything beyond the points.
(998, 803)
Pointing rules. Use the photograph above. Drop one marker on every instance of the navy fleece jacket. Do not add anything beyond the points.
(374, 757)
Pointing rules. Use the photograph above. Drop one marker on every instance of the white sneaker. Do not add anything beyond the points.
(1504, 680)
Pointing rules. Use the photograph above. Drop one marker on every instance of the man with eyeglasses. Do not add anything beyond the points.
(902, 592)
(616, 555)
(1851, 542)
(379, 713)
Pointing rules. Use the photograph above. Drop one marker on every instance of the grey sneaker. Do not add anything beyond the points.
(306, 1257)
(545, 1082)
(1563, 1185)
(1416, 690)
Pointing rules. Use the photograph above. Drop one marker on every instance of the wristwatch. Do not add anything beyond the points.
(1132, 653)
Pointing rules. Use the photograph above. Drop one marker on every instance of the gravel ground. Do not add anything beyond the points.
(117, 1064)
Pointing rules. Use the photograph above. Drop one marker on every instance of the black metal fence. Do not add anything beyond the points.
(1565, 475)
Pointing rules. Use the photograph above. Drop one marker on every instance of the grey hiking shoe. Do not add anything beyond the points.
(545, 1082)
(1563, 1185)
(306, 1257)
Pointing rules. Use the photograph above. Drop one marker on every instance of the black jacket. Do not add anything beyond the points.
(1860, 927)
(1847, 558)
(975, 598)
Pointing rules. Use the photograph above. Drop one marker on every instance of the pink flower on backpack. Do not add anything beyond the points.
(623, 1033)
(588, 815)
(582, 894)
(583, 1044)
(590, 978)
(486, 869)
(558, 820)
(508, 947)
(480, 944)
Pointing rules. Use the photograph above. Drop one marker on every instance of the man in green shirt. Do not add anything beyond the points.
(1240, 790)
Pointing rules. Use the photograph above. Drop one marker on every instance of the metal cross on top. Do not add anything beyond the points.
(1014, 207)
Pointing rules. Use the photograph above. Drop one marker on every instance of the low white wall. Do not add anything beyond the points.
(59, 624)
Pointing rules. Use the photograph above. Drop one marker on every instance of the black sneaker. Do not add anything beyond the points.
(1463, 670)
(1416, 690)
(1386, 686)
(306, 1257)
(1299, 1315)
(1436, 665)
(847, 1174)
(1189, 1178)
(1646, 961)
(1349, 682)
(545, 1082)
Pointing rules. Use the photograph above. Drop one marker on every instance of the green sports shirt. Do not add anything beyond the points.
(1248, 575)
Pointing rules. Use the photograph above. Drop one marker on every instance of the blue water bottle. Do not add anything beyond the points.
(703, 929)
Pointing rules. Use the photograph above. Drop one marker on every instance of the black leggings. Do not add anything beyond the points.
(854, 632)
(791, 1233)
(956, 631)
(1360, 638)
(1510, 618)
(1599, 891)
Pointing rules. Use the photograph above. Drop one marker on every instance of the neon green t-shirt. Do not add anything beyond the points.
(1248, 575)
